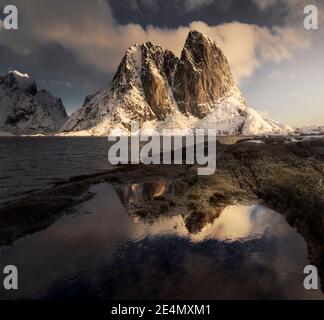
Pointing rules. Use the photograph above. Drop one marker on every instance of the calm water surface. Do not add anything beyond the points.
(29, 164)
(32, 164)
(99, 251)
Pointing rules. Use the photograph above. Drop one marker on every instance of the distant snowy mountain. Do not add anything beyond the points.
(26, 110)
(310, 130)
(159, 90)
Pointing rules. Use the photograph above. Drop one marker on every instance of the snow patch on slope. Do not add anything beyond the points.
(26, 110)
(311, 130)
(229, 116)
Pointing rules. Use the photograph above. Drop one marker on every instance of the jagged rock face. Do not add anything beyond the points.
(140, 90)
(88, 98)
(169, 66)
(156, 76)
(26, 110)
(157, 89)
(203, 76)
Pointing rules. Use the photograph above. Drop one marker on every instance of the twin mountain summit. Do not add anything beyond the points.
(151, 86)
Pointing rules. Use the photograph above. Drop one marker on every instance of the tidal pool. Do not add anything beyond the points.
(98, 251)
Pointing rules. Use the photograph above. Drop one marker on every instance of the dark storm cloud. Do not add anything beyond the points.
(172, 13)
(53, 65)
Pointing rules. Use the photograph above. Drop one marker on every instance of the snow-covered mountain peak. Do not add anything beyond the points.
(195, 38)
(160, 90)
(26, 110)
(19, 74)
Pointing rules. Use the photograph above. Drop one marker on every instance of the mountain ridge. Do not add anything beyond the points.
(25, 109)
(159, 90)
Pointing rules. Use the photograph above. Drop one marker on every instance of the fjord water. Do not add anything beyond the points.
(97, 250)
(31, 164)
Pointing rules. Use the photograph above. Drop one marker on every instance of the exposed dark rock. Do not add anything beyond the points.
(154, 81)
(197, 220)
(25, 109)
(32, 88)
(170, 62)
(202, 76)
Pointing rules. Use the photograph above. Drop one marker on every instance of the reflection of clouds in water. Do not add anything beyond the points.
(233, 224)
(236, 223)
(254, 212)
(248, 222)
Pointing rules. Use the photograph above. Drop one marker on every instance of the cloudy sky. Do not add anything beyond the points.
(73, 47)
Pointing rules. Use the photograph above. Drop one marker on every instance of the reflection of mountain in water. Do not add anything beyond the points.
(148, 191)
(149, 201)
(239, 256)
